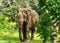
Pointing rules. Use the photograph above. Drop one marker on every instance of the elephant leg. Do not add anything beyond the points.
(20, 31)
(33, 30)
(27, 32)
(32, 33)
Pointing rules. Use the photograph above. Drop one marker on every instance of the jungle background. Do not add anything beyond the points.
(47, 29)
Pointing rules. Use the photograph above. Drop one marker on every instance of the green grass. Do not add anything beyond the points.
(14, 38)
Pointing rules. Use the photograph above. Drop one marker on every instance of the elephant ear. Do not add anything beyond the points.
(34, 14)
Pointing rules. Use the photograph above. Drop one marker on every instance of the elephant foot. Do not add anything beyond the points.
(21, 40)
(26, 39)
(31, 38)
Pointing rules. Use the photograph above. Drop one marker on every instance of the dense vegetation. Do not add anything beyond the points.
(48, 26)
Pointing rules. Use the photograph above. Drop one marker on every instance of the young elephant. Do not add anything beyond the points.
(27, 21)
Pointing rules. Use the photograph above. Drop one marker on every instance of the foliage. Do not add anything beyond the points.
(49, 11)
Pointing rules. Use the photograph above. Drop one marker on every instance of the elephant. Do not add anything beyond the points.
(28, 20)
